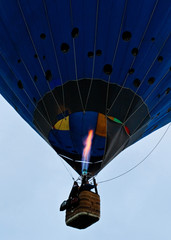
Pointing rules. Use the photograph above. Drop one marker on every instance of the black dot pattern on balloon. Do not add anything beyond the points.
(152, 39)
(137, 82)
(98, 52)
(34, 100)
(160, 58)
(42, 35)
(134, 52)
(126, 36)
(19, 60)
(151, 80)
(90, 54)
(154, 127)
(35, 56)
(75, 32)
(48, 75)
(44, 57)
(35, 78)
(131, 71)
(20, 85)
(167, 91)
(169, 109)
(64, 47)
(107, 69)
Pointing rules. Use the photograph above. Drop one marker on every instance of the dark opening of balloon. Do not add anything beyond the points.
(86, 154)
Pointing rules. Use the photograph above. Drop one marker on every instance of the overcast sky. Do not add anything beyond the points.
(34, 182)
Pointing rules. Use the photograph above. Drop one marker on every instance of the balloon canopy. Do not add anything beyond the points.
(71, 66)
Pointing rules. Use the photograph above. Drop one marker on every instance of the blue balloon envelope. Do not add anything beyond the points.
(68, 67)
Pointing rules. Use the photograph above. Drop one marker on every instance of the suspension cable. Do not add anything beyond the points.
(135, 166)
(67, 169)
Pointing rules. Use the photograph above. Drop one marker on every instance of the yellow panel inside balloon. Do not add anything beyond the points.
(101, 128)
(62, 124)
(101, 125)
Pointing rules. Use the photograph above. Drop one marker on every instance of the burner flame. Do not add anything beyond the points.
(87, 151)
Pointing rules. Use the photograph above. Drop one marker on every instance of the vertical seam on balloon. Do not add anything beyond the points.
(94, 55)
(107, 90)
(116, 48)
(75, 59)
(22, 13)
(56, 58)
(28, 30)
(75, 63)
(37, 90)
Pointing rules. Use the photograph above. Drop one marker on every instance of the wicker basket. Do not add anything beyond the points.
(86, 213)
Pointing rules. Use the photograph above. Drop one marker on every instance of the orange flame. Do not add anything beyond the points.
(87, 144)
(87, 149)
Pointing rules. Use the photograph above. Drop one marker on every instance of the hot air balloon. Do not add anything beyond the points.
(74, 67)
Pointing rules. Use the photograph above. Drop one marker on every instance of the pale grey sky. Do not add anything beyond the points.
(33, 183)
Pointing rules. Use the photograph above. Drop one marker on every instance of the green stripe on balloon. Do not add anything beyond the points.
(117, 120)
